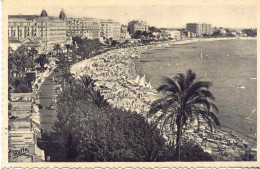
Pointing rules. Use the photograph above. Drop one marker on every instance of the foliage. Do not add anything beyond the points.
(216, 33)
(250, 32)
(92, 133)
(86, 47)
(114, 43)
(33, 53)
(153, 29)
(19, 61)
(184, 101)
(30, 77)
(137, 35)
(190, 151)
(20, 85)
(57, 48)
(42, 60)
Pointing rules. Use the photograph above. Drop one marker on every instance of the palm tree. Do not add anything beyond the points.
(88, 82)
(57, 48)
(68, 47)
(42, 60)
(185, 99)
(96, 96)
(33, 53)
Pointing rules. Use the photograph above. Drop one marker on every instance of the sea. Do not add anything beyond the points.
(231, 65)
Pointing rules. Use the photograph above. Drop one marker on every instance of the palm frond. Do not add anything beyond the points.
(198, 85)
(180, 79)
(155, 107)
(156, 122)
(190, 77)
(169, 85)
(167, 118)
(207, 93)
(210, 118)
(199, 101)
(214, 118)
(198, 119)
(159, 104)
(213, 106)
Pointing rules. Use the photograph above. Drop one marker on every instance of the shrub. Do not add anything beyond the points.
(20, 85)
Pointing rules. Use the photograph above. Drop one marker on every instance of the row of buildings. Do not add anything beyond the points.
(202, 29)
(43, 31)
(24, 129)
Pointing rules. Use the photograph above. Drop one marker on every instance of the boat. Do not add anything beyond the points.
(142, 81)
(241, 87)
(137, 80)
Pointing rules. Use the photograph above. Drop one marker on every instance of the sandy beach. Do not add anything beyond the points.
(114, 70)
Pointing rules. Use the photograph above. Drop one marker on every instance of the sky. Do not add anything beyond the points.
(167, 16)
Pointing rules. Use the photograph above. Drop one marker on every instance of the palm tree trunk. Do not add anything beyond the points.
(178, 140)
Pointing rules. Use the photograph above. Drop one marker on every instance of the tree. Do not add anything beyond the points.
(42, 60)
(250, 32)
(137, 34)
(99, 99)
(68, 47)
(91, 133)
(153, 29)
(86, 48)
(57, 48)
(88, 82)
(21, 61)
(88, 85)
(185, 100)
(33, 52)
(10, 62)
(20, 85)
(114, 43)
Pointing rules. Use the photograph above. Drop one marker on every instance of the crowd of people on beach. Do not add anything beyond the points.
(122, 88)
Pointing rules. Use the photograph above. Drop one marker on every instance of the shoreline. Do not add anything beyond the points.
(123, 81)
(138, 71)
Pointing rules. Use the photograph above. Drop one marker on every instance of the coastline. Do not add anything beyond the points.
(130, 72)
(138, 71)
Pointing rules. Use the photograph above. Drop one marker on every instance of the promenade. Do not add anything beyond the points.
(46, 94)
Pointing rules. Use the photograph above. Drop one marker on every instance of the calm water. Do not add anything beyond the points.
(230, 65)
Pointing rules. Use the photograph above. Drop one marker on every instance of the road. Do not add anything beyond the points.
(46, 94)
(49, 142)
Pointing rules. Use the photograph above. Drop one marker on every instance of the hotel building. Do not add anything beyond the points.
(110, 29)
(137, 25)
(199, 28)
(83, 27)
(124, 34)
(48, 30)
